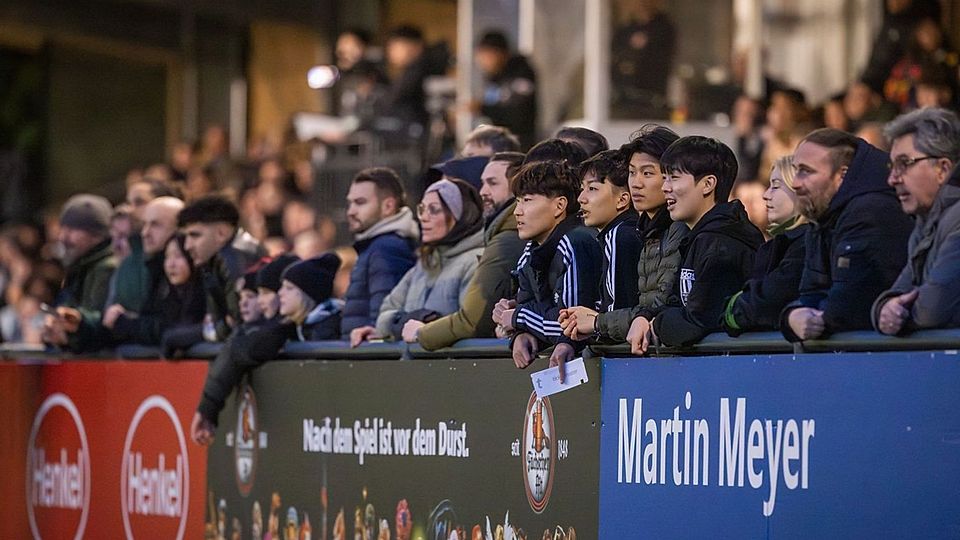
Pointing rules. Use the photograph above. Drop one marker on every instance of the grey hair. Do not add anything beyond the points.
(936, 131)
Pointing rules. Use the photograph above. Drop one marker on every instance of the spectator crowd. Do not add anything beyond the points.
(568, 244)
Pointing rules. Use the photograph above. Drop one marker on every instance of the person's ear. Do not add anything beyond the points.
(623, 200)
(708, 184)
(561, 206)
(943, 171)
(388, 206)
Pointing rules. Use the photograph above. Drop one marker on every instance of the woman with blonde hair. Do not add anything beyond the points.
(779, 262)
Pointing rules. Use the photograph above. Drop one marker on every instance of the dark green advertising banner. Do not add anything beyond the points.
(405, 450)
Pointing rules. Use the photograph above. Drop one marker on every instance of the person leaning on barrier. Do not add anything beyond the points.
(924, 153)
(146, 325)
(306, 313)
(491, 281)
(858, 242)
(452, 244)
(717, 253)
(385, 236)
(775, 281)
(85, 242)
(606, 205)
(558, 268)
(659, 258)
(221, 251)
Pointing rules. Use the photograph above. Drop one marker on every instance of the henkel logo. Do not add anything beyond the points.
(155, 473)
(539, 452)
(246, 440)
(58, 470)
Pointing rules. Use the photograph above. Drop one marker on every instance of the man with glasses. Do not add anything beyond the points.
(925, 147)
(858, 242)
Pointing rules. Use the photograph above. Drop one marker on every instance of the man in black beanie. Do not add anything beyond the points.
(85, 243)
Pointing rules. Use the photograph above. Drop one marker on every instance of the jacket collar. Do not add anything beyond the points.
(649, 227)
(402, 224)
(543, 253)
(95, 255)
(629, 217)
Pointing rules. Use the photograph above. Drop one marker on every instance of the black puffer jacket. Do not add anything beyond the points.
(657, 270)
(856, 250)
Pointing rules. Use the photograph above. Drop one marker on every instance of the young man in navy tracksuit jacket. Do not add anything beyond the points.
(558, 268)
(717, 254)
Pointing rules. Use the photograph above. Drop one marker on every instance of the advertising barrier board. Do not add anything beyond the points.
(100, 449)
(805, 446)
(405, 450)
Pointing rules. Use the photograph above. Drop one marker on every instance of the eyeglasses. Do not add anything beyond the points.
(901, 164)
(429, 209)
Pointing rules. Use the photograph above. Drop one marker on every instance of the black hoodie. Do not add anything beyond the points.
(717, 259)
(857, 248)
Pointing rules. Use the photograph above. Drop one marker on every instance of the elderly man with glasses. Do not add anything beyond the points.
(925, 147)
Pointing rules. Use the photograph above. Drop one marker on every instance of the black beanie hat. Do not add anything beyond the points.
(314, 276)
(250, 281)
(268, 277)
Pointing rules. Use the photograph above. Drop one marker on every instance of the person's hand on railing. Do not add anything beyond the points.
(806, 323)
(503, 314)
(895, 312)
(524, 350)
(111, 314)
(578, 322)
(411, 330)
(639, 335)
(201, 430)
(359, 335)
(562, 354)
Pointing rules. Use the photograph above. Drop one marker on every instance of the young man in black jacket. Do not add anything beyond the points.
(558, 267)
(717, 254)
(606, 204)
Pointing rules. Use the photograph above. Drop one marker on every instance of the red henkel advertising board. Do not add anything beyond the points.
(101, 449)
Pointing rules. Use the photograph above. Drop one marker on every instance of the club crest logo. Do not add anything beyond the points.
(687, 278)
(539, 452)
(245, 440)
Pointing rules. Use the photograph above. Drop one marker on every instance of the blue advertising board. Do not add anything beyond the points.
(786, 446)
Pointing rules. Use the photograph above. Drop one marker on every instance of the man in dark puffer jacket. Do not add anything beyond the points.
(386, 235)
(858, 243)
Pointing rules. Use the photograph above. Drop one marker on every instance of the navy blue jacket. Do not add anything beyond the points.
(381, 262)
(560, 273)
(857, 249)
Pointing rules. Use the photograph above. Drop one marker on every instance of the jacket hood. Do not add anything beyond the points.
(867, 173)
(729, 219)
(402, 224)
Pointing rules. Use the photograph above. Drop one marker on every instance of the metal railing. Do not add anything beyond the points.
(714, 344)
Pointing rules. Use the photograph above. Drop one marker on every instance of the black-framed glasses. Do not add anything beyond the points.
(901, 164)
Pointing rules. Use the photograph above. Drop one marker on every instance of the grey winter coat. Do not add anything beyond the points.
(438, 286)
(657, 271)
(933, 266)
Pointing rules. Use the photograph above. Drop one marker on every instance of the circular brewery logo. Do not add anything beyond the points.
(539, 452)
(58, 470)
(155, 473)
(245, 440)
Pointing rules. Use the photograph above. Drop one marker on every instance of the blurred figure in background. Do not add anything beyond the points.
(510, 88)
